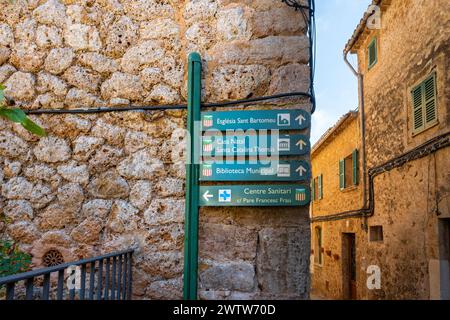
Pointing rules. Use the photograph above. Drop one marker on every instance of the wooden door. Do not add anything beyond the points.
(349, 266)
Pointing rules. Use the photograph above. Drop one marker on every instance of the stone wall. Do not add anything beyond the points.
(327, 277)
(411, 200)
(103, 182)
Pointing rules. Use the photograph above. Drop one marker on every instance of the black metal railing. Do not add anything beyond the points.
(107, 277)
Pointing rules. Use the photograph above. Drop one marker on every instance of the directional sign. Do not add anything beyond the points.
(254, 196)
(275, 171)
(256, 119)
(258, 145)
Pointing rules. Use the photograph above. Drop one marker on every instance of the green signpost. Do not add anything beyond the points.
(246, 135)
(273, 171)
(192, 187)
(254, 195)
(256, 119)
(255, 145)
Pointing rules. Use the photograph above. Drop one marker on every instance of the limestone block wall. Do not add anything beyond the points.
(411, 200)
(104, 182)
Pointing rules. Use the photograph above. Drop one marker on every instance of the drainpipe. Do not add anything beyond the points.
(362, 125)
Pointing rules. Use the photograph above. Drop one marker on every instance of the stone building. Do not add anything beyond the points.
(335, 188)
(400, 224)
(115, 180)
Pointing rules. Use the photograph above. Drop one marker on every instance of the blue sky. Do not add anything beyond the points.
(335, 85)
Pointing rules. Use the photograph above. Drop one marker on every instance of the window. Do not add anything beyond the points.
(348, 170)
(318, 256)
(424, 105)
(372, 53)
(317, 188)
(376, 234)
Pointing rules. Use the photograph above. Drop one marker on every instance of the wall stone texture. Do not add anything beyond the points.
(105, 182)
(411, 202)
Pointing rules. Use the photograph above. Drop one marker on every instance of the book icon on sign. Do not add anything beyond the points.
(284, 170)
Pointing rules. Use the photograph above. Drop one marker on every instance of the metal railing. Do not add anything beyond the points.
(107, 277)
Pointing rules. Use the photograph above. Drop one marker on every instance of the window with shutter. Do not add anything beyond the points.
(321, 187)
(372, 53)
(355, 167)
(313, 187)
(430, 100)
(418, 122)
(342, 174)
(424, 105)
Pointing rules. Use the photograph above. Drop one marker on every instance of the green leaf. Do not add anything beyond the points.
(33, 128)
(2, 93)
(17, 115)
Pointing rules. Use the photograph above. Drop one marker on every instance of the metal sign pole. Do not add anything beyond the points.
(192, 178)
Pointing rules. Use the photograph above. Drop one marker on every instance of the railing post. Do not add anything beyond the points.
(130, 277)
(192, 188)
(60, 290)
(10, 291)
(100, 280)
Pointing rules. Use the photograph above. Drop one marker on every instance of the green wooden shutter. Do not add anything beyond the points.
(424, 110)
(430, 100)
(372, 53)
(320, 187)
(355, 166)
(417, 99)
(342, 174)
(312, 190)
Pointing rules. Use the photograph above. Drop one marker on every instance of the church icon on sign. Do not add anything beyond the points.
(284, 119)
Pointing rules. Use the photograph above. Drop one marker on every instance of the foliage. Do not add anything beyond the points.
(12, 260)
(18, 116)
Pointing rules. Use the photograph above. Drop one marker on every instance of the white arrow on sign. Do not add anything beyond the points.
(300, 119)
(207, 196)
(301, 170)
(301, 144)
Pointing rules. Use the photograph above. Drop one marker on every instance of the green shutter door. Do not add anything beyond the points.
(430, 100)
(372, 53)
(342, 174)
(312, 190)
(417, 98)
(355, 166)
(320, 187)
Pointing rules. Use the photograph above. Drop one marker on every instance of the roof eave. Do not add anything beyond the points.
(361, 28)
(329, 133)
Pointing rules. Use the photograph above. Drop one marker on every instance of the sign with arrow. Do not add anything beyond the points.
(254, 196)
(274, 171)
(256, 119)
(257, 145)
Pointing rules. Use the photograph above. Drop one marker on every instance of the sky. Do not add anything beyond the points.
(336, 87)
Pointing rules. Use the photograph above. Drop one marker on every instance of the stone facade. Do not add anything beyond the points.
(411, 202)
(339, 142)
(104, 182)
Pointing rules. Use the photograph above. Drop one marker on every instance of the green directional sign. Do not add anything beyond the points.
(274, 171)
(254, 196)
(257, 145)
(256, 119)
